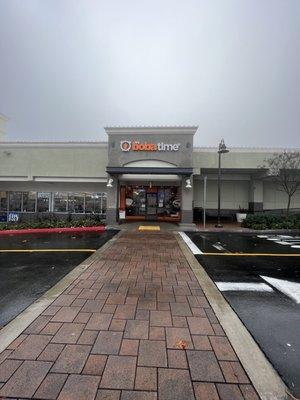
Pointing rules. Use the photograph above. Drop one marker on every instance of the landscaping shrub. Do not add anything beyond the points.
(53, 222)
(268, 221)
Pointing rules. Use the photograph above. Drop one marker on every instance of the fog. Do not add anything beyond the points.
(69, 68)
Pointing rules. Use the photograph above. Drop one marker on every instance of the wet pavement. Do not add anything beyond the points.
(24, 277)
(134, 325)
(268, 307)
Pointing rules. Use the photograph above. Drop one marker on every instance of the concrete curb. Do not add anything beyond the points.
(14, 328)
(263, 376)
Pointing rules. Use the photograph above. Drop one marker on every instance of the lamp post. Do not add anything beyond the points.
(222, 150)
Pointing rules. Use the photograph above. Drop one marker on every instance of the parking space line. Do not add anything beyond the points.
(46, 250)
(290, 289)
(219, 247)
(243, 286)
(194, 249)
(252, 254)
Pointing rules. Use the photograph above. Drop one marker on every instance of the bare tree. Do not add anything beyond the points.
(284, 168)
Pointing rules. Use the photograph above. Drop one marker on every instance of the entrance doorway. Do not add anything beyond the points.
(151, 205)
(156, 203)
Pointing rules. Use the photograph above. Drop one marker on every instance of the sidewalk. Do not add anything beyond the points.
(226, 226)
(135, 326)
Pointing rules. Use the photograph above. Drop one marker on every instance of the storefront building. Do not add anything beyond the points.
(150, 174)
(140, 173)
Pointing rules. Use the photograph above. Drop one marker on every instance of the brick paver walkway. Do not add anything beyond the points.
(135, 326)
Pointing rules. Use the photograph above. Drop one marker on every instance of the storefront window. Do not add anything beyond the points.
(76, 202)
(103, 203)
(161, 202)
(43, 201)
(91, 199)
(15, 201)
(135, 200)
(29, 199)
(60, 201)
(3, 201)
(172, 201)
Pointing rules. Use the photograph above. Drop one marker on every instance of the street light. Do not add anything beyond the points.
(222, 150)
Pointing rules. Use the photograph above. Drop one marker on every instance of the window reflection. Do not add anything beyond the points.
(153, 201)
(29, 199)
(60, 202)
(3, 201)
(76, 202)
(15, 201)
(43, 201)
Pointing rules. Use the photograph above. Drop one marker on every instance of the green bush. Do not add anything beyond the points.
(269, 221)
(53, 222)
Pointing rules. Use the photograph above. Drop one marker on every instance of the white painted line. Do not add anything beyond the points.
(290, 289)
(265, 379)
(262, 236)
(294, 239)
(194, 249)
(285, 236)
(243, 286)
(296, 246)
(218, 247)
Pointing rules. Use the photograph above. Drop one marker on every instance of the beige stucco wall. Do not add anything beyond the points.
(22, 163)
(235, 194)
(90, 159)
(87, 187)
(53, 161)
(276, 199)
(236, 158)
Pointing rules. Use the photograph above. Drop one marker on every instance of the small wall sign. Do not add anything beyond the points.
(13, 217)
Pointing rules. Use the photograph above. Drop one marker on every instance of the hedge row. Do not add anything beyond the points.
(48, 223)
(266, 221)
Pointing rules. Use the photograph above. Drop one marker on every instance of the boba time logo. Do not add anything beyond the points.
(127, 145)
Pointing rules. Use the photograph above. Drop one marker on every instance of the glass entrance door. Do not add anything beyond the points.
(151, 204)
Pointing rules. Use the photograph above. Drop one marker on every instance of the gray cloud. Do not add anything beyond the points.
(68, 68)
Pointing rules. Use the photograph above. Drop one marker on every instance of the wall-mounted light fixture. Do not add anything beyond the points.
(109, 183)
(188, 183)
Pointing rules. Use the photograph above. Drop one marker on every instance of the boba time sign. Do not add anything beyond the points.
(128, 145)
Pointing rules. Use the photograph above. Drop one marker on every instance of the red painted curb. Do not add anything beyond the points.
(100, 228)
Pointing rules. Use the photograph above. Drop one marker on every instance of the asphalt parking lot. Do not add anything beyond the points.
(25, 276)
(264, 290)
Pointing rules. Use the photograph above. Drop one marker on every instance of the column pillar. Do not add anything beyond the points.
(112, 201)
(187, 197)
(256, 195)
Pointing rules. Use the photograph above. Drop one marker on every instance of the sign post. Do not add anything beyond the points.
(204, 201)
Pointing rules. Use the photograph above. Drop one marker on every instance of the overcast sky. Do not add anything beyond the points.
(70, 67)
